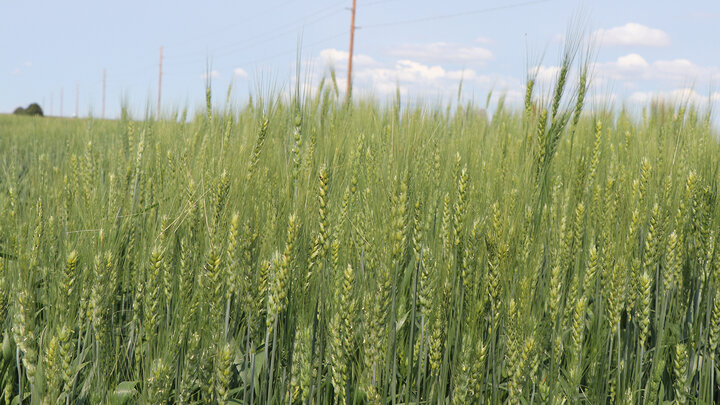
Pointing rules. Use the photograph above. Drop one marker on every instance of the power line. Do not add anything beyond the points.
(236, 24)
(257, 61)
(454, 15)
(264, 37)
(317, 16)
(290, 51)
(227, 27)
(281, 34)
(375, 3)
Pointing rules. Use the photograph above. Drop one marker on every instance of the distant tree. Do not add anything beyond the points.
(34, 109)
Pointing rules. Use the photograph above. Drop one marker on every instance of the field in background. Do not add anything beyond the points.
(314, 251)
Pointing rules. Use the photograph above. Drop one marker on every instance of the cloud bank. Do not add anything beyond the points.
(632, 34)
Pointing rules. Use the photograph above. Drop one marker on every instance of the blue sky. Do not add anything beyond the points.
(644, 49)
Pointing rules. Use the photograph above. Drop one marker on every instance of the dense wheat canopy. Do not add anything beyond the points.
(317, 251)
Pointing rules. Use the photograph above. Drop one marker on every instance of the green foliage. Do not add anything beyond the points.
(33, 109)
(315, 251)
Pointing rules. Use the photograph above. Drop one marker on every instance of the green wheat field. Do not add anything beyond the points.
(309, 250)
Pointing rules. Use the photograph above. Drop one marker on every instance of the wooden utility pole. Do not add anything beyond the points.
(77, 99)
(52, 97)
(350, 56)
(61, 101)
(160, 81)
(103, 101)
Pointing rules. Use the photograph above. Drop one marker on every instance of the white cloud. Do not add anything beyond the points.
(683, 69)
(632, 34)
(514, 96)
(630, 85)
(677, 96)
(19, 69)
(602, 99)
(628, 67)
(640, 97)
(336, 57)
(421, 79)
(407, 71)
(546, 77)
(443, 52)
(544, 74)
(464, 74)
(416, 78)
(632, 61)
(484, 40)
(635, 67)
(240, 72)
(413, 71)
(214, 74)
